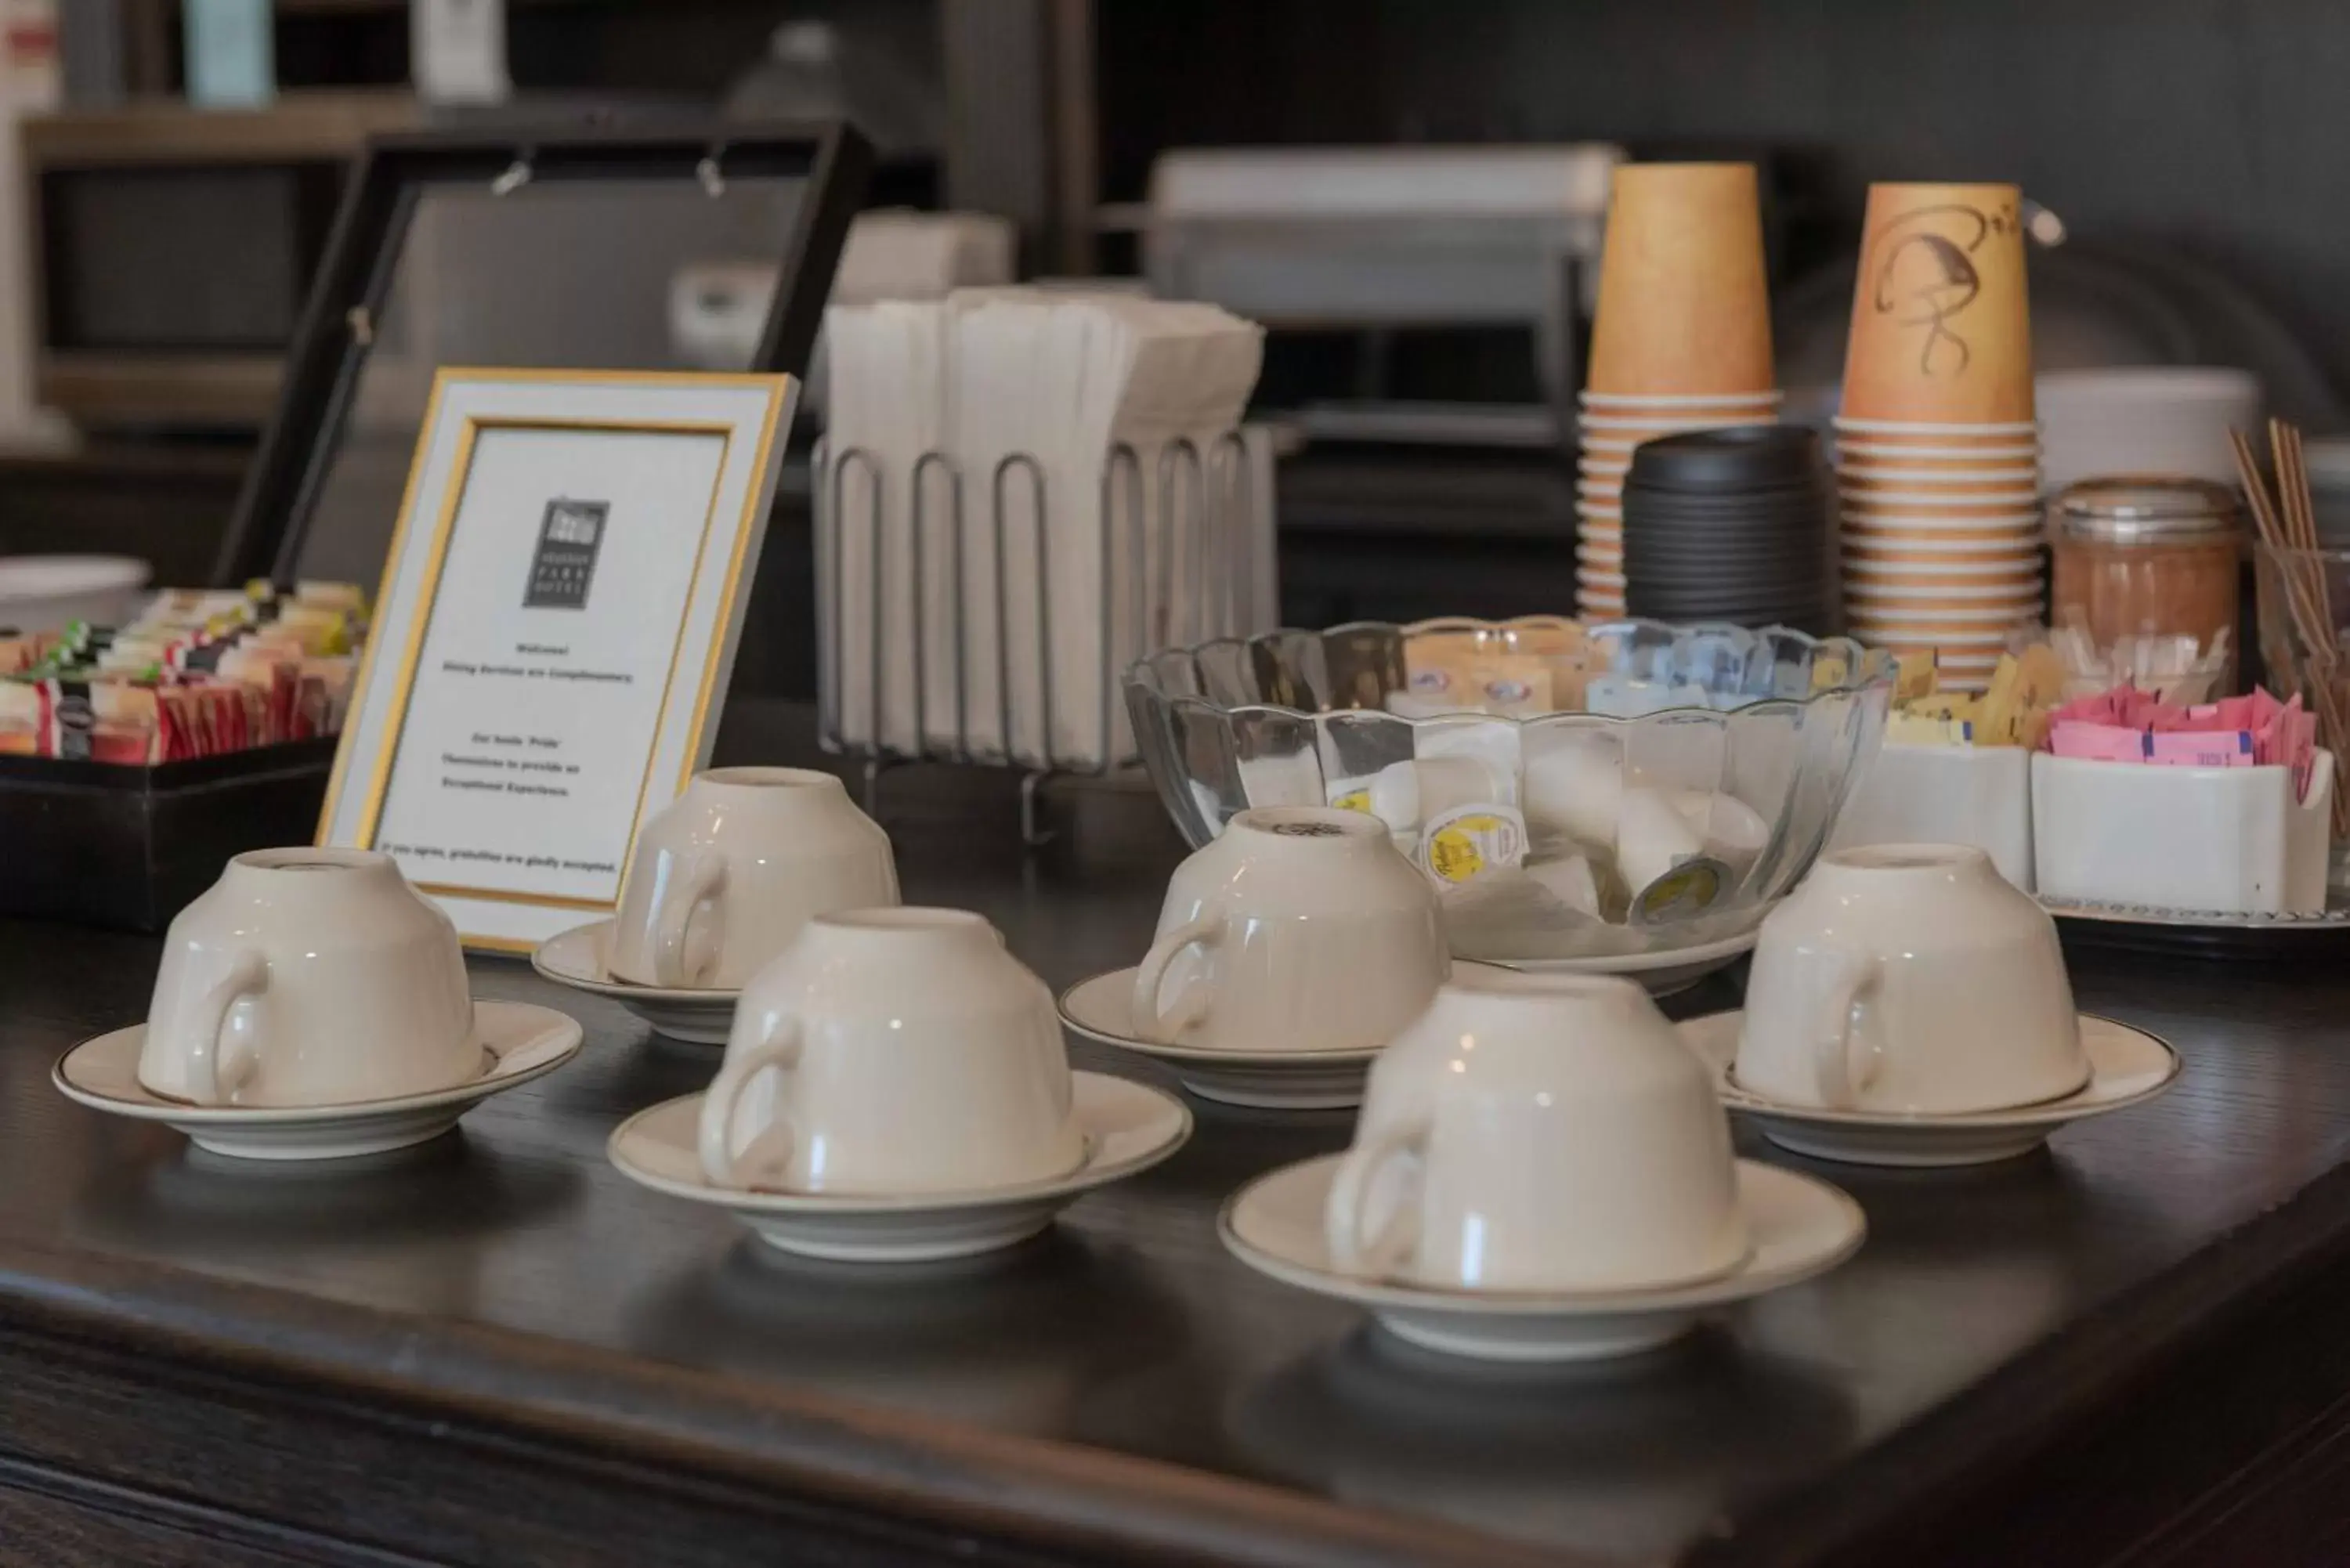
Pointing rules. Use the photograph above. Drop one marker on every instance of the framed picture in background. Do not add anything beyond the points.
(554, 634)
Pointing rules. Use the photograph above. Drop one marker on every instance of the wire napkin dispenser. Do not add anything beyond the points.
(982, 616)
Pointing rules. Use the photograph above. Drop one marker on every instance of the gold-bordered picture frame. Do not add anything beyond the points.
(747, 414)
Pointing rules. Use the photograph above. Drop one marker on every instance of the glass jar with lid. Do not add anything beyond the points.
(2143, 565)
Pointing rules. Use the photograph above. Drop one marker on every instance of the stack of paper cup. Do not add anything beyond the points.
(1682, 340)
(1937, 452)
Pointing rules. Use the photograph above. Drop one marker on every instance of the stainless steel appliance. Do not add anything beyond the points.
(1383, 241)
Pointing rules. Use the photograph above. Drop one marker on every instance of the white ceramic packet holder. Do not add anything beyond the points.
(2225, 840)
(1979, 796)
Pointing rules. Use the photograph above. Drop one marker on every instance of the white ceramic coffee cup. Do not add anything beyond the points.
(309, 977)
(892, 1051)
(1539, 1132)
(725, 877)
(1910, 979)
(1299, 929)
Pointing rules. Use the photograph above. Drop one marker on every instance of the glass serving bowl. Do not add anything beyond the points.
(1575, 792)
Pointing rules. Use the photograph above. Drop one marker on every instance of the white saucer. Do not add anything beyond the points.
(522, 1041)
(1128, 1127)
(1663, 973)
(1800, 1226)
(575, 959)
(1102, 1010)
(2126, 1067)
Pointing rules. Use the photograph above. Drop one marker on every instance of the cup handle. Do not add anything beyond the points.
(1839, 1084)
(780, 1049)
(207, 1084)
(1161, 1026)
(1382, 1254)
(703, 886)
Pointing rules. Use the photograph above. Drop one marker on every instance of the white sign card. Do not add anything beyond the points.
(554, 634)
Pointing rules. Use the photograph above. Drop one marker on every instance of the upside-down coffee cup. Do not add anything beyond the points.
(1299, 929)
(724, 879)
(1539, 1132)
(309, 977)
(892, 1051)
(1910, 979)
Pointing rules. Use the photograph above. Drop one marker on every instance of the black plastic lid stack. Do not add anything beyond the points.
(1731, 525)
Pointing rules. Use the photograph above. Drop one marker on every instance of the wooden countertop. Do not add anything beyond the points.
(495, 1350)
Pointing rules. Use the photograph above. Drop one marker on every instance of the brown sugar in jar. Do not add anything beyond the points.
(2155, 555)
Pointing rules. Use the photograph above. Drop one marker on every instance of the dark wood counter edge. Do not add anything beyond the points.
(677, 1428)
(1996, 1428)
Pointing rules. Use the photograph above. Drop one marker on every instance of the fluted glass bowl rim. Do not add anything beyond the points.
(1865, 668)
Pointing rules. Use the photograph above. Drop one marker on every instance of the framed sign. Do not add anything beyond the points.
(554, 634)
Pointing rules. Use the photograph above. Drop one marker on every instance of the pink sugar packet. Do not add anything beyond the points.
(2097, 742)
(2200, 749)
(2126, 725)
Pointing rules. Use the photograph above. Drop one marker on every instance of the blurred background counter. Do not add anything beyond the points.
(169, 247)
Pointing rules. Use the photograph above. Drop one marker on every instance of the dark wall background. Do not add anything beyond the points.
(2221, 127)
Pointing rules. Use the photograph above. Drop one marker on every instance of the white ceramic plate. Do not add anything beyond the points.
(1102, 1010)
(1128, 1129)
(575, 959)
(520, 1042)
(2126, 1067)
(1800, 1226)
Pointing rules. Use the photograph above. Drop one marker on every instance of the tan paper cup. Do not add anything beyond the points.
(1862, 569)
(1684, 305)
(1679, 404)
(1639, 428)
(1940, 518)
(1942, 635)
(1969, 645)
(1941, 326)
(1933, 459)
(1933, 591)
(1966, 495)
(1979, 613)
(1958, 437)
(1906, 566)
(1989, 542)
(1869, 552)
(1962, 477)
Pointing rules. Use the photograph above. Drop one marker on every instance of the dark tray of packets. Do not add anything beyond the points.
(124, 847)
(102, 825)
